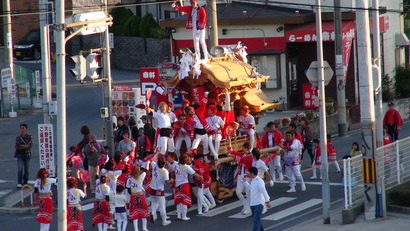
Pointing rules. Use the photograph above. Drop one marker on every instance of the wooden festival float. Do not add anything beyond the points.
(231, 83)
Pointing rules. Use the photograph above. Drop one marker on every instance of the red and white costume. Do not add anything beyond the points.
(216, 125)
(331, 154)
(138, 202)
(316, 162)
(74, 213)
(182, 197)
(45, 204)
(248, 123)
(197, 22)
(183, 133)
(112, 176)
(292, 162)
(101, 211)
(201, 128)
(271, 139)
(159, 176)
(244, 163)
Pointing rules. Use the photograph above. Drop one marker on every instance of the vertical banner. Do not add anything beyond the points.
(46, 148)
(310, 96)
(38, 86)
(11, 89)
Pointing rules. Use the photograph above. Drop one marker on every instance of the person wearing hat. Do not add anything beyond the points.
(247, 124)
(216, 124)
(392, 120)
(196, 21)
(182, 133)
(162, 92)
(185, 103)
(165, 140)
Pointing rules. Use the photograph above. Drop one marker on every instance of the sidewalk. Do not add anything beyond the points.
(393, 221)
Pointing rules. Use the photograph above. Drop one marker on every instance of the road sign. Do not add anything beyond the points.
(312, 74)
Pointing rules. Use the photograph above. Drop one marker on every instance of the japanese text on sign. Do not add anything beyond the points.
(46, 148)
(310, 96)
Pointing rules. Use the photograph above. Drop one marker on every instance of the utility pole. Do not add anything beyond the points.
(107, 77)
(8, 38)
(377, 79)
(322, 115)
(340, 71)
(366, 107)
(213, 23)
(61, 117)
(45, 60)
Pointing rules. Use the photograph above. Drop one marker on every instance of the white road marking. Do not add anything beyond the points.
(222, 209)
(292, 210)
(273, 203)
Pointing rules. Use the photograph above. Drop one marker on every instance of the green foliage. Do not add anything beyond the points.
(131, 27)
(120, 15)
(159, 33)
(402, 82)
(386, 88)
(148, 24)
(400, 194)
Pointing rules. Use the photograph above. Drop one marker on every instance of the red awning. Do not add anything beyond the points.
(253, 44)
(307, 32)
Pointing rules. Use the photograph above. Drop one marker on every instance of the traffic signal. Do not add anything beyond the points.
(93, 66)
(79, 71)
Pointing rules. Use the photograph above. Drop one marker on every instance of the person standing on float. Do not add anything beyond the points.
(196, 21)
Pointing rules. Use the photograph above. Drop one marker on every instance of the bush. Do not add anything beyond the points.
(131, 27)
(402, 82)
(120, 15)
(386, 88)
(400, 194)
(147, 25)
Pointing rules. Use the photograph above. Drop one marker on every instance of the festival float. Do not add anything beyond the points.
(231, 83)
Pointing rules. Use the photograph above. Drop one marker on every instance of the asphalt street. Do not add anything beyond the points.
(83, 103)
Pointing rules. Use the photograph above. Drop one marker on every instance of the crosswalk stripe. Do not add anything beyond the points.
(4, 192)
(292, 210)
(310, 183)
(273, 203)
(87, 207)
(222, 209)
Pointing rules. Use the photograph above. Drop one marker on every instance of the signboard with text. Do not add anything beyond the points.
(46, 148)
(310, 96)
(149, 78)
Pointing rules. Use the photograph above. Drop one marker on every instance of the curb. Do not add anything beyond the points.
(15, 210)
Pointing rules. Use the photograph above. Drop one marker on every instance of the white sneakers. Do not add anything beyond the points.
(291, 190)
(313, 177)
(166, 223)
(19, 186)
(303, 187)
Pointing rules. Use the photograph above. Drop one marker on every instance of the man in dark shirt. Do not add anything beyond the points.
(23, 154)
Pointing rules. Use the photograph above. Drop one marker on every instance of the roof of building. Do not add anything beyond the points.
(233, 14)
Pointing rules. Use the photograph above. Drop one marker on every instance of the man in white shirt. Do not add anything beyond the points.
(247, 124)
(259, 197)
(216, 124)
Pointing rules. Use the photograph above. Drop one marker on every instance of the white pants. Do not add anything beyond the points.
(314, 170)
(240, 185)
(336, 165)
(274, 164)
(293, 174)
(199, 37)
(44, 227)
(251, 133)
(166, 142)
(205, 143)
(209, 196)
(199, 193)
(215, 147)
(158, 202)
(178, 144)
(144, 224)
(182, 210)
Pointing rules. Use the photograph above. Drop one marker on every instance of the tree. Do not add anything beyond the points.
(120, 15)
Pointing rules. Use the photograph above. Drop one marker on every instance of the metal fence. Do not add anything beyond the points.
(353, 181)
(25, 90)
(392, 163)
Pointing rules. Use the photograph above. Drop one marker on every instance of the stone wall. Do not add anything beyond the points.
(128, 52)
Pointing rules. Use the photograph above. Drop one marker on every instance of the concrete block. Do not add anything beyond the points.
(350, 215)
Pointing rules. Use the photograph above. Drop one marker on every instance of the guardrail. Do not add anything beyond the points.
(353, 181)
(392, 163)
(31, 195)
